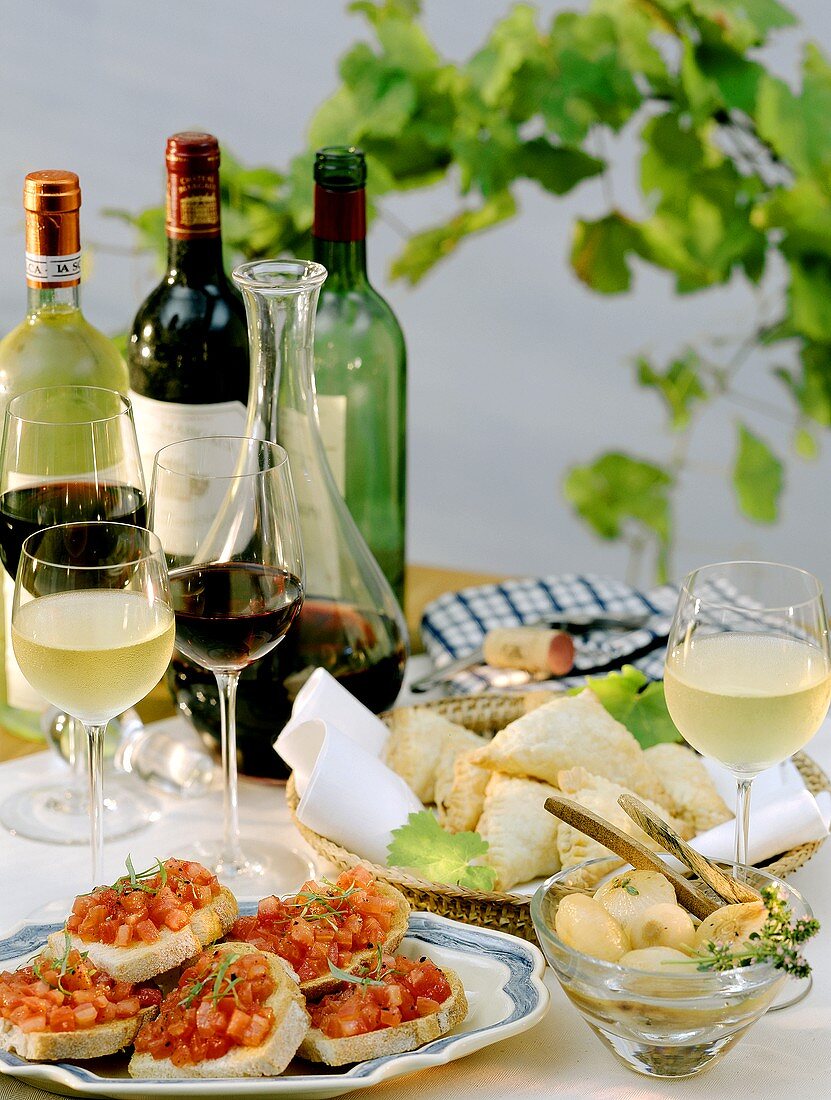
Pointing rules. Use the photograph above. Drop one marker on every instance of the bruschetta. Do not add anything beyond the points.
(397, 1005)
(150, 921)
(61, 1006)
(342, 923)
(235, 1012)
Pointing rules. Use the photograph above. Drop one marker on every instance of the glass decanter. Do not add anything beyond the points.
(350, 623)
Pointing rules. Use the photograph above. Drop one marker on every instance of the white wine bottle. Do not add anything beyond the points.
(53, 345)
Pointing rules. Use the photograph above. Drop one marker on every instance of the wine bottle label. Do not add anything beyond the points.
(331, 415)
(159, 423)
(53, 270)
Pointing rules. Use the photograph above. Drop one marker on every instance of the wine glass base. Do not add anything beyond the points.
(264, 869)
(57, 815)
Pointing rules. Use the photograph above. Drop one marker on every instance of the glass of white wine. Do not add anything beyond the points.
(92, 630)
(748, 670)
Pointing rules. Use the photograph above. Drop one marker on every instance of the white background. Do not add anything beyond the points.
(516, 370)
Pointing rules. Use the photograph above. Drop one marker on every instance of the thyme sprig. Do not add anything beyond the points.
(224, 985)
(779, 941)
(368, 974)
(61, 963)
(140, 880)
(305, 899)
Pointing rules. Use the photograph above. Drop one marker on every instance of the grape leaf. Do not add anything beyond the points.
(425, 847)
(757, 477)
(636, 703)
(679, 385)
(600, 254)
(805, 444)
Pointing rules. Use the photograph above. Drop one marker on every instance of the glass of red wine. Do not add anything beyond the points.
(69, 454)
(225, 511)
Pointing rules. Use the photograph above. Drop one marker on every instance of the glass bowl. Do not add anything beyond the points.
(662, 1025)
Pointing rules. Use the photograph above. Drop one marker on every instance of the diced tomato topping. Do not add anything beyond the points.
(219, 1004)
(321, 923)
(70, 996)
(124, 914)
(147, 931)
(400, 997)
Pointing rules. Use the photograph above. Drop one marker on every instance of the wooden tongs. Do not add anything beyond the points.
(694, 900)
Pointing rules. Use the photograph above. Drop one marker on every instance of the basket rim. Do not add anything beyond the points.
(784, 864)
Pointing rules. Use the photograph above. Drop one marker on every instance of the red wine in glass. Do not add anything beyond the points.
(229, 614)
(24, 511)
(362, 649)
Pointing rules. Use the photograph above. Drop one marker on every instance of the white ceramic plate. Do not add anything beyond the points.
(502, 976)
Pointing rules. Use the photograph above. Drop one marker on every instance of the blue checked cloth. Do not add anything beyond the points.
(456, 623)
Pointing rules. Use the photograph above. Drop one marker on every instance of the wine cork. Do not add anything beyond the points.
(530, 649)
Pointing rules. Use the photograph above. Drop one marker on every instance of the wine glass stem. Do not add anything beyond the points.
(743, 785)
(227, 684)
(77, 757)
(95, 758)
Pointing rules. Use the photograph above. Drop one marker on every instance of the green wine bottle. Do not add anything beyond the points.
(360, 366)
(54, 345)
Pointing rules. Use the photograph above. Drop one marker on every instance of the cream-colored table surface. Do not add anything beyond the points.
(786, 1054)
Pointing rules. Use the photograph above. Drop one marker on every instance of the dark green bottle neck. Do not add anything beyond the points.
(196, 262)
(344, 260)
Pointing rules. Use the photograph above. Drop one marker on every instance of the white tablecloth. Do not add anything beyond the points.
(788, 1053)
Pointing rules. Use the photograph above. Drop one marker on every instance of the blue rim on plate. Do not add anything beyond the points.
(513, 969)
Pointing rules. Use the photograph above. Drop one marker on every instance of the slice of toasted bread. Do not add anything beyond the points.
(316, 988)
(90, 1042)
(317, 1047)
(142, 961)
(291, 1022)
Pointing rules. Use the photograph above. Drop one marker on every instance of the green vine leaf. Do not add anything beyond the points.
(810, 296)
(798, 126)
(805, 444)
(811, 386)
(758, 478)
(601, 250)
(679, 386)
(616, 492)
(422, 250)
(557, 168)
(738, 23)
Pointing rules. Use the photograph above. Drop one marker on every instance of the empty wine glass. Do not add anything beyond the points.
(225, 511)
(69, 453)
(92, 630)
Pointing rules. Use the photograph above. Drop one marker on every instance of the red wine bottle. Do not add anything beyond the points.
(188, 350)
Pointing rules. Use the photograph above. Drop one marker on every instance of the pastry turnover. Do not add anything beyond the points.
(596, 793)
(574, 731)
(417, 740)
(696, 800)
(456, 745)
(521, 833)
(461, 803)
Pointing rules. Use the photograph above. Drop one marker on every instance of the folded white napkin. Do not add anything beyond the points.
(783, 814)
(333, 745)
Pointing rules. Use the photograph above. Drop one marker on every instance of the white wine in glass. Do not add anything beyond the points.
(748, 673)
(93, 630)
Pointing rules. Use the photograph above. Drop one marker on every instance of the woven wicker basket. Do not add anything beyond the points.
(486, 714)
